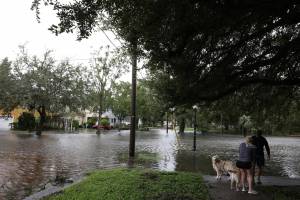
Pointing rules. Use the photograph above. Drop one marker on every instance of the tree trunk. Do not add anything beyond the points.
(40, 127)
(226, 125)
(182, 125)
(120, 122)
(133, 98)
(100, 112)
(99, 122)
(71, 125)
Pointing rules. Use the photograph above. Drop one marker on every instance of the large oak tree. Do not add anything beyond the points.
(208, 49)
(47, 86)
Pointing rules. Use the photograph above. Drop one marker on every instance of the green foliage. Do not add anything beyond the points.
(91, 121)
(104, 122)
(121, 99)
(106, 68)
(46, 86)
(150, 108)
(137, 184)
(245, 121)
(75, 124)
(26, 121)
(204, 49)
(45, 83)
(8, 87)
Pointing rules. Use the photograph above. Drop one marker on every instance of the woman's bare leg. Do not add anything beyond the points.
(243, 178)
(250, 179)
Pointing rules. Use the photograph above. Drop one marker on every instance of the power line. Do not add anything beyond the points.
(110, 31)
(108, 37)
(108, 40)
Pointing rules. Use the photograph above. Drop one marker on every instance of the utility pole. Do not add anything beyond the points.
(195, 107)
(133, 52)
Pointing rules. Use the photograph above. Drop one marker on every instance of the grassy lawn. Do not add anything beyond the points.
(136, 184)
(189, 129)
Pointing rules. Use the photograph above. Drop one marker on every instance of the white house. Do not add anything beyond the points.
(113, 119)
(86, 114)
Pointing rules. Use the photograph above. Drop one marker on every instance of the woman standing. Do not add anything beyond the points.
(245, 163)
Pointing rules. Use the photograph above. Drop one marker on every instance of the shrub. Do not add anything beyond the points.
(26, 121)
(104, 122)
(75, 124)
(91, 121)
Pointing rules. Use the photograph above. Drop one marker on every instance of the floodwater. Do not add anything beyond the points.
(28, 162)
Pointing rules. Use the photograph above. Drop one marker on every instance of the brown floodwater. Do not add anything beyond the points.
(28, 162)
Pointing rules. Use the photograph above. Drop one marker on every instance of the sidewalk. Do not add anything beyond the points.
(220, 190)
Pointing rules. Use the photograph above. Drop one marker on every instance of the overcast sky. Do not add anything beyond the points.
(19, 26)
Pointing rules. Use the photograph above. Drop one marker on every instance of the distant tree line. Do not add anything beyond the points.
(60, 89)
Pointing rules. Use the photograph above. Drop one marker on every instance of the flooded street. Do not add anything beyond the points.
(28, 162)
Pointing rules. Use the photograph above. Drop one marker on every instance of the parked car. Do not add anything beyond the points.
(106, 127)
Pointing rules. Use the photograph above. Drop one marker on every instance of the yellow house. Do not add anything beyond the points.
(15, 114)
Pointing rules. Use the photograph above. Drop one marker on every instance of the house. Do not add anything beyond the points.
(67, 117)
(17, 112)
(113, 119)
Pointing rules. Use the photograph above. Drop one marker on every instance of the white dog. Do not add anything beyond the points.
(226, 166)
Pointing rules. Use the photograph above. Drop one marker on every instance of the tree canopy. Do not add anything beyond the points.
(45, 83)
(46, 86)
(150, 108)
(106, 67)
(8, 86)
(208, 49)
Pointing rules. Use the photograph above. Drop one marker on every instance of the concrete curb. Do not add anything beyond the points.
(54, 189)
(266, 180)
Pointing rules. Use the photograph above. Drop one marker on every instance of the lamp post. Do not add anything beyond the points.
(195, 108)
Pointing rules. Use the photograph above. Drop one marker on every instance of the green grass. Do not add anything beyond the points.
(143, 158)
(281, 193)
(136, 184)
(189, 129)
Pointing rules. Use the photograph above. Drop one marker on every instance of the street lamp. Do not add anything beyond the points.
(195, 108)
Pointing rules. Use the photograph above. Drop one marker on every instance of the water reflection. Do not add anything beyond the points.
(28, 162)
